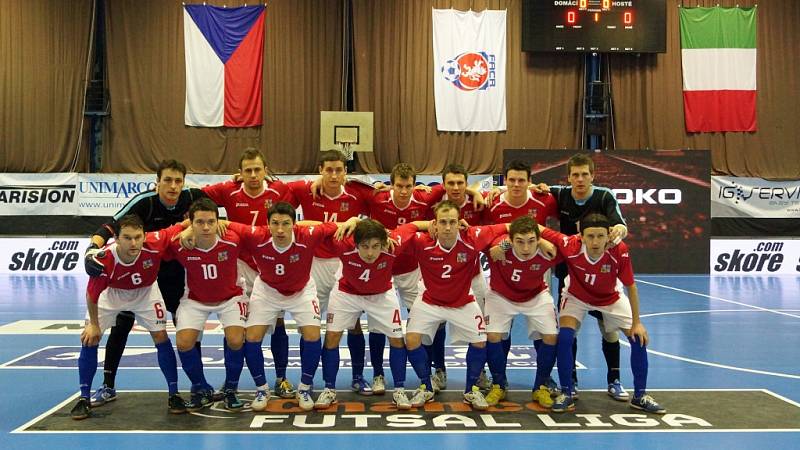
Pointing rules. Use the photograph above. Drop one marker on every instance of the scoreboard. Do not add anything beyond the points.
(601, 26)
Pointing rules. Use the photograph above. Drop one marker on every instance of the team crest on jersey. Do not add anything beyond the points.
(414, 214)
(147, 263)
(329, 318)
(268, 204)
(536, 267)
(486, 320)
(222, 256)
(532, 213)
(382, 265)
(294, 258)
(461, 257)
(345, 206)
(606, 268)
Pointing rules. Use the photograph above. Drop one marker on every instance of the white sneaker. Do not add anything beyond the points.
(421, 396)
(476, 399)
(304, 399)
(439, 380)
(261, 400)
(400, 399)
(378, 385)
(326, 398)
(484, 383)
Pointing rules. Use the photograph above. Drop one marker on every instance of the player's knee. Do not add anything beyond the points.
(550, 339)
(569, 322)
(494, 337)
(396, 342)
(234, 337)
(159, 336)
(310, 333)
(611, 336)
(413, 341)
(481, 344)
(332, 339)
(255, 333)
(185, 341)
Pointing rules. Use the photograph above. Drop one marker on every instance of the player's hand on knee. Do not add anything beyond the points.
(93, 267)
(90, 336)
(639, 332)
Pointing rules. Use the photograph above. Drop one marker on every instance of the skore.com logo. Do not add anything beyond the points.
(648, 196)
(767, 257)
(61, 255)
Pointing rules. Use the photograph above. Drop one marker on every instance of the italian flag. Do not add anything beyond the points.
(718, 53)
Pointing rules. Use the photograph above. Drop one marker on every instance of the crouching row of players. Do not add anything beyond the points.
(284, 252)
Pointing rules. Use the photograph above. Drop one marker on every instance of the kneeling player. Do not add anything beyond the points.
(130, 268)
(592, 284)
(517, 287)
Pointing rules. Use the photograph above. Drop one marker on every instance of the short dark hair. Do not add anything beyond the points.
(368, 229)
(443, 205)
(456, 169)
(281, 208)
(203, 204)
(523, 225)
(252, 153)
(332, 155)
(403, 170)
(520, 166)
(580, 159)
(172, 165)
(131, 221)
(594, 220)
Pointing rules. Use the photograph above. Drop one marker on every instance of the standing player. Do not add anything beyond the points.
(575, 201)
(158, 209)
(247, 202)
(212, 279)
(366, 286)
(130, 267)
(594, 284)
(448, 265)
(338, 202)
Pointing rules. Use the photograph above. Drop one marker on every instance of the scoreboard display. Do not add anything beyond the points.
(601, 26)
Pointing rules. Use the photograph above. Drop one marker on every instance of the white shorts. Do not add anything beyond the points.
(616, 316)
(247, 276)
(466, 324)
(145, 303)
(325, 273)
(267, 305)
(193, 314)
(409, 287)
(539, 312)
(479, 289)
(383, 313)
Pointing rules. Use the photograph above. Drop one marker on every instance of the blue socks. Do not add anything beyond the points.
(357, 346)
(545, 359)
(255, 362)
(309, 360)
(330, 366)
(566, 363)
(638, 366)
(377, 343)
(397, 362)
(279, 345)
(193, 366)
(168, 364)
(87, 367)
(496, 356)
(437, 349)
(419, 361)
(476, 359)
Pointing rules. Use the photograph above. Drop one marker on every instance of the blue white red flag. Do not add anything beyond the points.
(224, 60)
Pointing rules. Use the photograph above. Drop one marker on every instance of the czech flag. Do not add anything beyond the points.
(224, 60)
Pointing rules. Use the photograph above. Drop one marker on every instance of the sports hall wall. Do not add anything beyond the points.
(310, 45)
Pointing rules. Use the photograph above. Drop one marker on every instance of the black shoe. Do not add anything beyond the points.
(219, 394)
(176, 404)
(232, 402)
(199, 400)
(81, 410)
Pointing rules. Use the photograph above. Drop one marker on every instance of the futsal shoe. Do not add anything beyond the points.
(261, 399)
(199, 400)
(552, 387)
(617, 392)
(439, 380)
(483, 383)
(326, 398)
(563, 403)
(378, 385)
(647, 403)
(81, 410)
(232, 401)
(284, 388)
(496, 394)
(176, 405)
(304, 399)
(361, 387)
(542, 396)
(475, 399)
(421, 396)
(400, 399)
(103, 395)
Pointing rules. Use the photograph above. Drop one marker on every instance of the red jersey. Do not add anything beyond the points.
(518, 280)
(467, 210)
(448, 273)
(286, 270)
(351, 202)
(362, 278)
(538, 206)
(211, 275)
(595, 282)
(383, 209)
(143, 271)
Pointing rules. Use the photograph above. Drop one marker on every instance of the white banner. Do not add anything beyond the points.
(754, 197)
(469, 70)
(42, 256)
(755, 256)
(23, 194)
